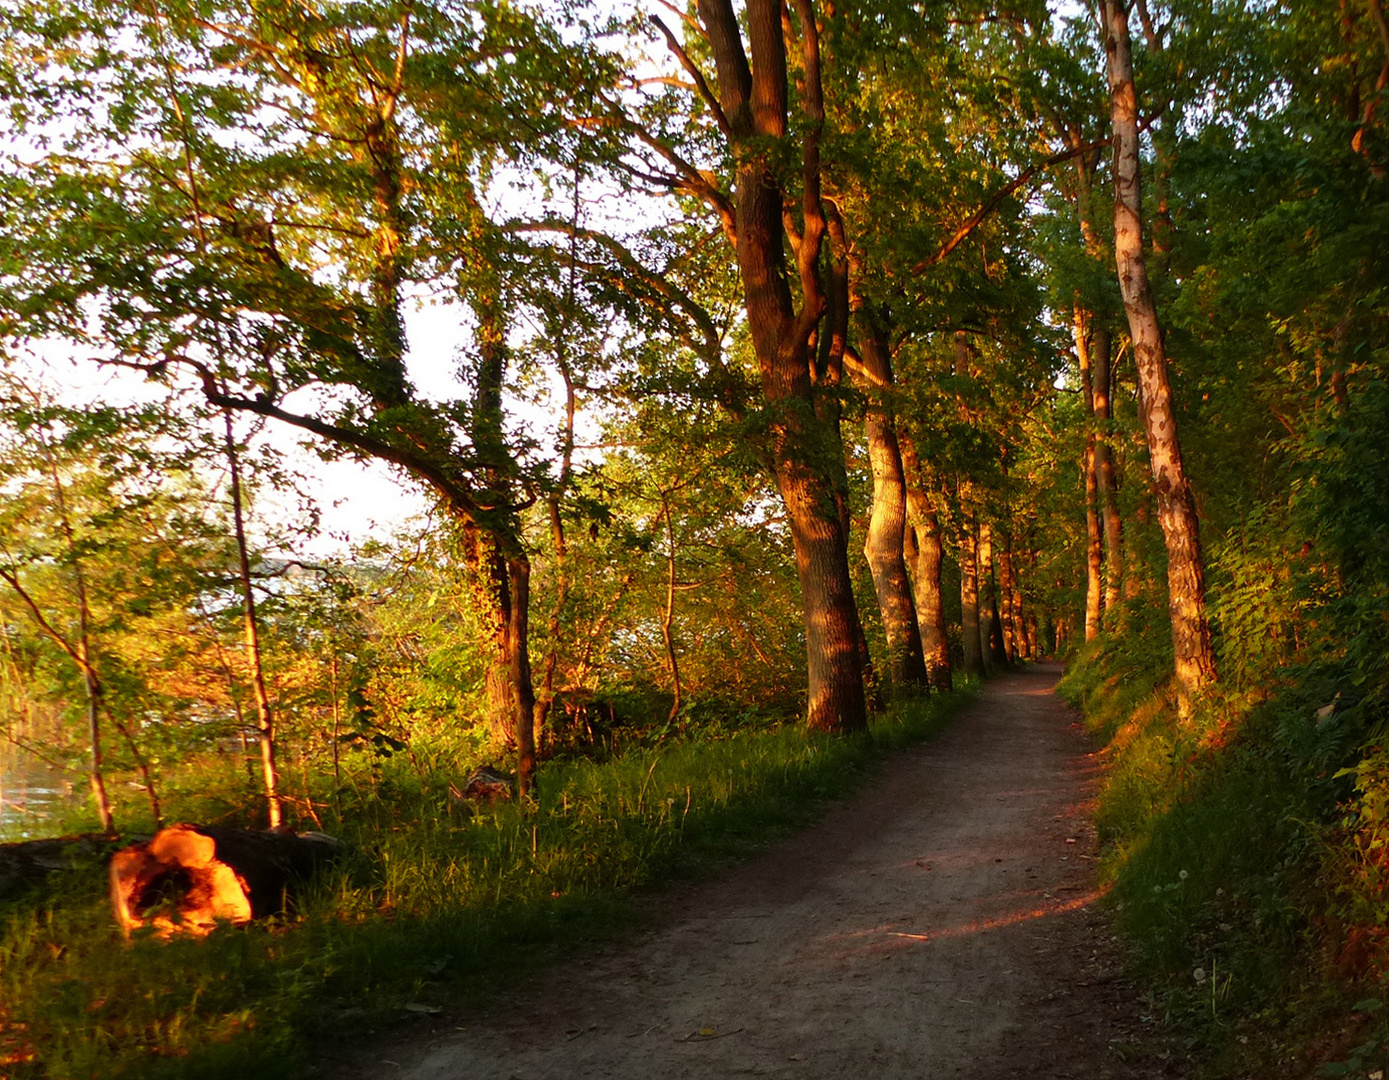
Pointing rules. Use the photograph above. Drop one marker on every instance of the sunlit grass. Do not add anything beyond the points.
(432, 907)
(1221, 847)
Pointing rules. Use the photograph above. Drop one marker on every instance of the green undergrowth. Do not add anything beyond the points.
(1233, 851)
(433, 907)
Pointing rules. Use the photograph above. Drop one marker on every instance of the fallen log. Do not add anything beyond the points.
(26, 863)
(188, 878)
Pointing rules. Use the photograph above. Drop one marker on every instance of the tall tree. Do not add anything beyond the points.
(279, 185)
(1191, 635)
(751, 102)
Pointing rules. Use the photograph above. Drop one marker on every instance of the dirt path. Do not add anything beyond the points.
(938, 923)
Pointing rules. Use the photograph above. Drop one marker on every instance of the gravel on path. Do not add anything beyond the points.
(940, 922)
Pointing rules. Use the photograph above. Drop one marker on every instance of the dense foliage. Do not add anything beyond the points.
(740, 296)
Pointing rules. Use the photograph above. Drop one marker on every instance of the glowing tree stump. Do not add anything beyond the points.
(189, 878)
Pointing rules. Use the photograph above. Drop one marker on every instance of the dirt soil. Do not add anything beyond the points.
(940, 922)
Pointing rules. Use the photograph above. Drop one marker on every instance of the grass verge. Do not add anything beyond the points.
(431, 909)
(1229, 846)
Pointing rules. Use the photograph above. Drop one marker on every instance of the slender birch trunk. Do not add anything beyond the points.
(1101, 354)
(265, 721)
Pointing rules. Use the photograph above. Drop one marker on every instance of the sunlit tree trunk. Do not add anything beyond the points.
(926, 549)
(829, 351)
(990, 625)
(753, 99)
(1094, 549)
(969, 591)
(1006, 597)
(1106, 475)
(1191, 638)
(265, 719)
(498, 557)
(1094, 348)
(883, 545)
(668, 616)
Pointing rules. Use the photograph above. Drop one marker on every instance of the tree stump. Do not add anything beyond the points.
(188, 878)
(486, 787)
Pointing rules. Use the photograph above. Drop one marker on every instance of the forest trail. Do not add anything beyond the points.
(938, 923)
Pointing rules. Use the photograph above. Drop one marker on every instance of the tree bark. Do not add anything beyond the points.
(1006, 594)
(883, 546)
(498, 555)
(1101, 354)
(924, 543)
(990, 625)
(265, 720)
(668, 617)
(1094, 347)
(969, 591)
(1191, 637)
(1094, 549)
(753, 98)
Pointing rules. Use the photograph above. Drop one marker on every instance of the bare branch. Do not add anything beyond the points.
(698, 76)
(994, 201)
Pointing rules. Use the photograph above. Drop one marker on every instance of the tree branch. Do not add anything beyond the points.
(994, 201)
(698, 76)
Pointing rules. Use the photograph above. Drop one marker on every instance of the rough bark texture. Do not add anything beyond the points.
(1006, 596)
(990, 636)
(498, 557)
(882, 547)
(969, 593)
(1101, 346)
(1191, 637)
(1094, 549)
(502, 601)
(802, 446)
(927, 549)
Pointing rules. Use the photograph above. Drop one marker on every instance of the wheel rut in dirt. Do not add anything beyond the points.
(940, 922)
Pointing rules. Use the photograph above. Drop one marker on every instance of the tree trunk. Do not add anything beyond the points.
(497, 552)
(969, 592)
(925, 543)
(906, 666)
(1191, 638)
(990, 625)
(189, 878)
(265, 722)
(502, 600)
(1006, 593)
(753, 99)
(1094, 549)
(668, 617)
(1094, 348)
(835, 691)
(1101, 353)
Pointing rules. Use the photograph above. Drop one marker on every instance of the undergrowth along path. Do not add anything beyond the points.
(939, 922)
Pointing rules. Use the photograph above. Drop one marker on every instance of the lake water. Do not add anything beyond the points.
(30, 792)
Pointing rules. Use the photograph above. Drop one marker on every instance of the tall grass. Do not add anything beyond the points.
(1223, 838)
(432, 907)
